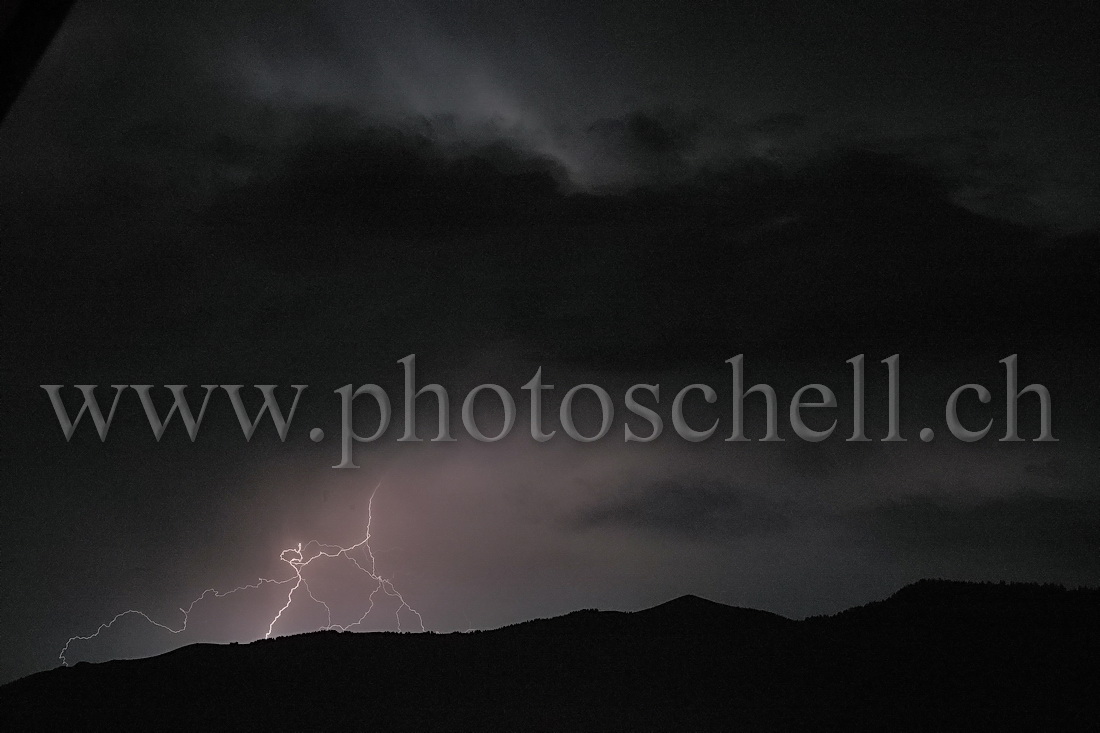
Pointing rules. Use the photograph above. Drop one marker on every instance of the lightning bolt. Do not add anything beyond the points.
(297, 559)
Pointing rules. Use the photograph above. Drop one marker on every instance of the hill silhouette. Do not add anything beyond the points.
(935, 655)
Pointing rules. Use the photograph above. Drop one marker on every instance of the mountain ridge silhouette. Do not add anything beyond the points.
(936, 654)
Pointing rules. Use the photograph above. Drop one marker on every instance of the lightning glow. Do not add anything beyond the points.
(297, 559)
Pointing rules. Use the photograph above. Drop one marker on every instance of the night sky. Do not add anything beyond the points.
(254, 192)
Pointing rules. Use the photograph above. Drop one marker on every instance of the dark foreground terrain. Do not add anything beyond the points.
(936, 655)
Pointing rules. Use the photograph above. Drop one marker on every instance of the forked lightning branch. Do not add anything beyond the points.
(297, 559)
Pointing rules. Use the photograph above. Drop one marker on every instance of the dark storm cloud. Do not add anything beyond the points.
(782, 122)
(246, 72)
(338, 171)
(869, 233)
(689, 509)
(338, 196)
(1021, 532)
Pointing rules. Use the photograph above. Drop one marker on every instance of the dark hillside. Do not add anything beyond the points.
(936, 655)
